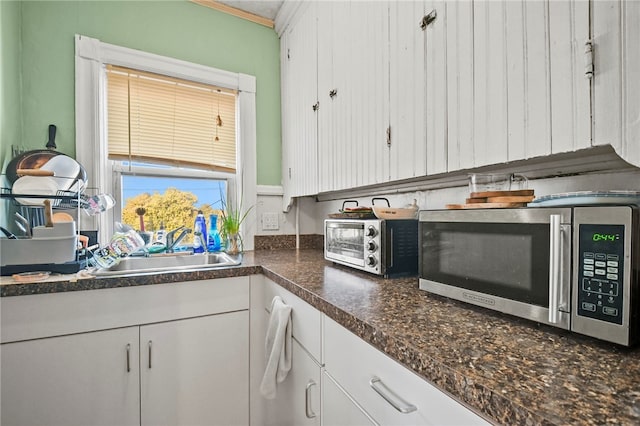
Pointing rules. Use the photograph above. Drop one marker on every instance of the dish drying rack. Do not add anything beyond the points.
(62, 200)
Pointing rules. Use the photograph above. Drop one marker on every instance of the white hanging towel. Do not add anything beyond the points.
(278, 348)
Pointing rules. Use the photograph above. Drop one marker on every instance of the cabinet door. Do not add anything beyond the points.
(368, 92)
(82, 379)
(408, 90)
(530, 98)
(489, 84)
(331, 166)
(616, 81)
(338, 409)
(460, 79)
(297, 400)
(196, 371)
(353, 91)
(570, 88)
(299, 95)
(436, 95)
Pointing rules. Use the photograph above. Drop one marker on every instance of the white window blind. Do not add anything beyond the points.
(159, 119)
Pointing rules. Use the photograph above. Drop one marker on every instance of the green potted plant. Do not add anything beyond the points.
(231, 218)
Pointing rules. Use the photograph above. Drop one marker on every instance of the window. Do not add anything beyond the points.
(159, 128)
(93, 59)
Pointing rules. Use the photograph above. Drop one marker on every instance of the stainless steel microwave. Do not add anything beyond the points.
(575, 268)
(382, 247)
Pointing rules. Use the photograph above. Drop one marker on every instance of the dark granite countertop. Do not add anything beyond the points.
(512, 371)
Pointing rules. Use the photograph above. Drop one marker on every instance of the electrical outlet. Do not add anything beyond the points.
(270, 222)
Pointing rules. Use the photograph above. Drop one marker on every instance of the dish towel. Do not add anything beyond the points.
(278, 345)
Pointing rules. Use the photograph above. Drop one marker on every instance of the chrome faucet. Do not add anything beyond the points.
(172, 240)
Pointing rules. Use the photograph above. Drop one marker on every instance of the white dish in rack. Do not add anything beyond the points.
(34, 185)
(587, 198)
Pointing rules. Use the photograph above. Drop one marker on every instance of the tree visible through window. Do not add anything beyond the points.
(169, 202)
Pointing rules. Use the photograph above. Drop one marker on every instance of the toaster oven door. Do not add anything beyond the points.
(344, 242)
(503, 260)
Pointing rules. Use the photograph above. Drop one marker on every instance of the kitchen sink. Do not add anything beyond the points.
(170, 263)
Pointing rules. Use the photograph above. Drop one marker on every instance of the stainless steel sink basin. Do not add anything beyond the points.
(170, 262)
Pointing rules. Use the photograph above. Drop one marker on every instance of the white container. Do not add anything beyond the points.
(58, 230)
(37, 251)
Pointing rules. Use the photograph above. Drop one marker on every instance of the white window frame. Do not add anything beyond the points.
(91, 130)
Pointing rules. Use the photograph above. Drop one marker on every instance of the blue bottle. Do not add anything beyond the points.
(213, 241)
(199, 233)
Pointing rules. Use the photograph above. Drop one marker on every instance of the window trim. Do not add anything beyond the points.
(91, 55)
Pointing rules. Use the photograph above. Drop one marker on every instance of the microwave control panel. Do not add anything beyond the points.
(600, 275)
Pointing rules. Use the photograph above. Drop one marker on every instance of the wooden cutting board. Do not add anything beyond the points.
(495, 200)
(513, 199)
(486, 194)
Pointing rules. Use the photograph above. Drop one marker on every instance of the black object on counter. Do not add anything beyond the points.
(60, 268)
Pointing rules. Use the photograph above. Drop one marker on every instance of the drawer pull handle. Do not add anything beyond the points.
(307, 400)
(391, 397)
(149, 344)
(128, 357)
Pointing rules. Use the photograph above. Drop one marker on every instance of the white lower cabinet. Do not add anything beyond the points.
(82, 379)
(195, 371)
(297, 402)
(168, 354)
(387, 391)
(338, 407)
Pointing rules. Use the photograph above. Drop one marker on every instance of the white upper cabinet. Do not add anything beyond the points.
(408, 91)
(570, 88)
(353, 91)
(435, 46)
(484, 82)
(516, 89)
(616, 80)
(299, 65)
(460, 84)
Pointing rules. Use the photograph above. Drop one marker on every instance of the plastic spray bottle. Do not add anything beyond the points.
(199, 233)
(213, 241)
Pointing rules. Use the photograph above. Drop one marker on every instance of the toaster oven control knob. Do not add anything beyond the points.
(371, 231)
(371, 246)
(371, 260)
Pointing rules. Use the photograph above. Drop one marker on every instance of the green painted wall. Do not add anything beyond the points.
(178, 29)
(10, 116)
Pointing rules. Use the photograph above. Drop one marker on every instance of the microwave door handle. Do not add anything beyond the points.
(555, 258)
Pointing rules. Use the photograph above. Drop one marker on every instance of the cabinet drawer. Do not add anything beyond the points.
(338, 408)
(45, 315)
(353, 363)
(306, 320)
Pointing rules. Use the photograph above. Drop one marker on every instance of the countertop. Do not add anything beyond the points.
(511, 371)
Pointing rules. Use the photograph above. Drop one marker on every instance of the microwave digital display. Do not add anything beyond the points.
(597, 237)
